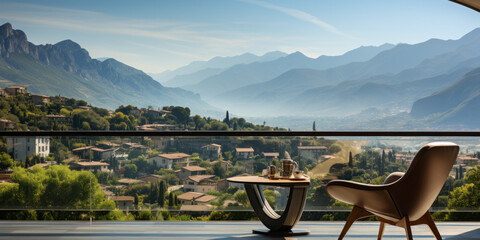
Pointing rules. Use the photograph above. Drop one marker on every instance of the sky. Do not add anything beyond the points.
(155, 36)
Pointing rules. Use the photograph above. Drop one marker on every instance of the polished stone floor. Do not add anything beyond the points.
(217, 230)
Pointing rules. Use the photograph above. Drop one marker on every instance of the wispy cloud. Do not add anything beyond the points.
(301, 15)
(89, 21)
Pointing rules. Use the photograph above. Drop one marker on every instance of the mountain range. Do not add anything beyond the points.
(67, 69)
(435, 83)
(388, 80)
(242, 75)
(198, 70)
(455, 105)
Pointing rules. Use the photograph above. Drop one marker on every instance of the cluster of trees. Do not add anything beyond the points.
(55, 187)
(27, 115)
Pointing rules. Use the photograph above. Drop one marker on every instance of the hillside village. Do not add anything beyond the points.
(183, 173)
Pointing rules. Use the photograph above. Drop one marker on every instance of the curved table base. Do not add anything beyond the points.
(278, 224)
(293, 232)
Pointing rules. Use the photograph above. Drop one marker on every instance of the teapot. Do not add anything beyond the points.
(288, 165)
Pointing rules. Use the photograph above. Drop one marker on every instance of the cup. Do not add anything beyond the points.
(272, 170)
(298, 174)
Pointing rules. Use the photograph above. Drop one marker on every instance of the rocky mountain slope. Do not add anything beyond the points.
(67, 69)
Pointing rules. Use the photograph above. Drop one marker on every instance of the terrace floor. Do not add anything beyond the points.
(217, 230)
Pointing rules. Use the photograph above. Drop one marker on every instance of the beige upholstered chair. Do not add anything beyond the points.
(404, 199)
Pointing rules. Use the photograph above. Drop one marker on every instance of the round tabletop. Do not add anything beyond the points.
(267, 181)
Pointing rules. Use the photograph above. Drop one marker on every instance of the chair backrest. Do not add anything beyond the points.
(416, 191)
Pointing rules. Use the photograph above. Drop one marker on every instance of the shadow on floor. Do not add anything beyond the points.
(472, 235)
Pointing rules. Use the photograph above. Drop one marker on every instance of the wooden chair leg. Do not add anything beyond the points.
(405, 223)
(381, 230)
(356, 213)
(431, 224)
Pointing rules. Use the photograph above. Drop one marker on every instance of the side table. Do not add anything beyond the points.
(277, 224)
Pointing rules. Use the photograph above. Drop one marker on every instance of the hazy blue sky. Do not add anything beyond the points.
(158, 35)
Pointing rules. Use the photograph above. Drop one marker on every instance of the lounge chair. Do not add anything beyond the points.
(404, 198)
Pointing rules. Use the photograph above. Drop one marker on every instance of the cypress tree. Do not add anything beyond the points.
(227, 119)
(162, 188)
(350, 160)
(153, 192)
(383, 163)
(460, 172)
(171, 200)
(313, 127)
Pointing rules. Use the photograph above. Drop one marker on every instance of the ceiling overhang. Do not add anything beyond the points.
(473, 4)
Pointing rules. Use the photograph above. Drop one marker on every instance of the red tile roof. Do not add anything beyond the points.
(199, 178)
(100, 150)
(150, 178)
(197, 197)
(196, 208)
(129, 181)
(271, 154)
(174, 155)
(189, 196)
(194, 168)
(6, 120)
(82, 148)
(213, 144)
(205, 198)
(92, 163)
(250, 149)
(20, 87)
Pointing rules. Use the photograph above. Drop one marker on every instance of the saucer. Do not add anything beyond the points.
(300, 178)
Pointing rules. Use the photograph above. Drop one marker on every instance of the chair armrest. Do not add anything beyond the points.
(393, 177)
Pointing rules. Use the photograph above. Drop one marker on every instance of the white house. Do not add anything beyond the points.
(92, 166)
(169, 160)
(6, 124)
(244, 153)
(123, 202)
(211, 151)
(186, 172)
(270, 155)
(22, 147)
(200, 183)
(195, 198)
(162, 142)
(312, 152)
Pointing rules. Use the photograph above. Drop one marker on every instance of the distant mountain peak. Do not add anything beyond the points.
(248, 54)
(12, 40)
(472, 35)
(274, 54)
(6, 30)
(102, 59)
(297, 54)
(68, 45)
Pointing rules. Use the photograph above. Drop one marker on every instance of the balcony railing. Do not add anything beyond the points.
(126, 175)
